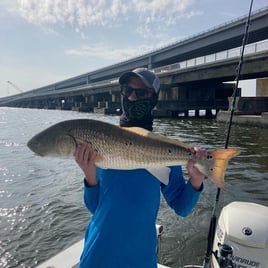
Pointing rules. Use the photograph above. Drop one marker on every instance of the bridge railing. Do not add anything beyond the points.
(219, 56)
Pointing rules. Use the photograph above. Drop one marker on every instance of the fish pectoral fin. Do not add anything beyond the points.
(162, 174)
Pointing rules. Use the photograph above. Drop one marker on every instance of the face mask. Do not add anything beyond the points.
(139, 108)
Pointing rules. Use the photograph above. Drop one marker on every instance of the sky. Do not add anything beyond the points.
(46, 41)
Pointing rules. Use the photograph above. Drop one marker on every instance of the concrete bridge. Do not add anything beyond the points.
(191, 71)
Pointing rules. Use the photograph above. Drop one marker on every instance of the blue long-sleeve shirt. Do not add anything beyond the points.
(124, 204)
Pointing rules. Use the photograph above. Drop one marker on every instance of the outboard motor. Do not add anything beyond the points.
(241, 239)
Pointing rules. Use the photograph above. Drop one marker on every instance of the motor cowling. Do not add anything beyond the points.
(244, 227)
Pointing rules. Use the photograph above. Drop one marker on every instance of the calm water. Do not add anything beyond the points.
(41, 199)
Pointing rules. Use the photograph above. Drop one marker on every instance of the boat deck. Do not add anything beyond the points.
(69, 258)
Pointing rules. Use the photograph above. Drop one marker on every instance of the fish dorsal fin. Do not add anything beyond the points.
(148, 134)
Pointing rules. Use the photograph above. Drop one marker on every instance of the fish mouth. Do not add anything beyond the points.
(33, 146)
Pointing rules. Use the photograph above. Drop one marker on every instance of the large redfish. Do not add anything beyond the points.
(127, 148)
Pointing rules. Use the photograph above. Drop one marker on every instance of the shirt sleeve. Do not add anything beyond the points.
(179, 194)
(91, 196)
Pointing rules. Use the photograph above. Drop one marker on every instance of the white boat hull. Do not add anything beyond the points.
(69, 258)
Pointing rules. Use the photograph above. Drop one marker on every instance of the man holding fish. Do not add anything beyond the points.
(125, 168)
(125, 203)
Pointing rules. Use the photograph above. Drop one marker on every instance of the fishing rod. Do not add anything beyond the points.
(213, 221)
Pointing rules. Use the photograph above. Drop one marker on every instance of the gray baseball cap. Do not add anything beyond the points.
(149, 78)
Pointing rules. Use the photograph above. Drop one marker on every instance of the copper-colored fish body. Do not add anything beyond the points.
(126, 148)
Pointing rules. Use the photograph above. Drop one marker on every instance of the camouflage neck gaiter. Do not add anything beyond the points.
(137, 113)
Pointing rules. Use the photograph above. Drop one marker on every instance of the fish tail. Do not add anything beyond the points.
(216, 165)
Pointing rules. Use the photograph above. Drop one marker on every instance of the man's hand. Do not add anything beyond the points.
(85, 157)
(196, 177)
